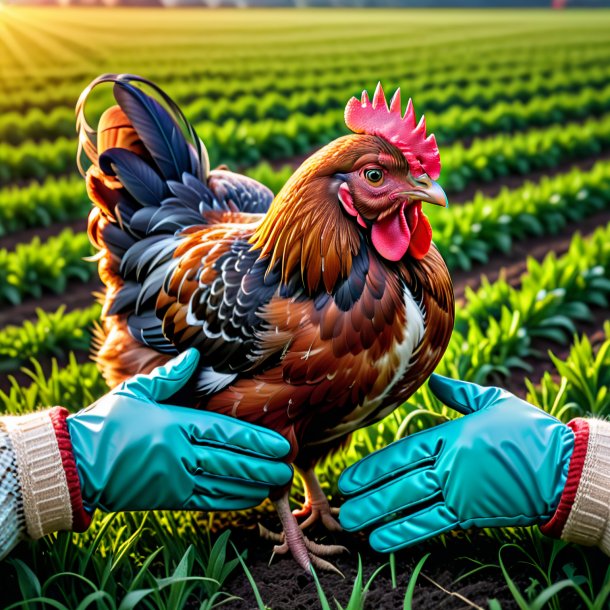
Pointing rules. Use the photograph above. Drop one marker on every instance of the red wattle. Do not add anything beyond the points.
(391, 236)
(421, 237)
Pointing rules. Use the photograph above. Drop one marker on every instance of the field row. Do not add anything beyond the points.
(204, 101)
(34, 268)
(333, 53)
(453, 111)
(246, 144)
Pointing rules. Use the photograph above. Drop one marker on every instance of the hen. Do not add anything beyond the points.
(316, 312)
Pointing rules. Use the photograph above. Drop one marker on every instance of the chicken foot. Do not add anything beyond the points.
(305, 552)
(316, 506)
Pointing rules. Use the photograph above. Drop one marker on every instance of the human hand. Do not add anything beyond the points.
(133, 453)
(505, 463)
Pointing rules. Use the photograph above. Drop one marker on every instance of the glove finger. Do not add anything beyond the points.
(223, 463)
(463, 396)
(219, 493)
(413, 529)
(164, 381)
(206, 427)
(392, 461)
(373, 506)
(209, 504)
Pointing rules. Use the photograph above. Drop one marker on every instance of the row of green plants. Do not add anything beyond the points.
(189, 80)
(466, 235)
(245, 144)
(41, 204)
(200, 103)
(36, 160)
(52, 334)
(36, 267)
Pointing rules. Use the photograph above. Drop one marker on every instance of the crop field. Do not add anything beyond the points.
(520, 105)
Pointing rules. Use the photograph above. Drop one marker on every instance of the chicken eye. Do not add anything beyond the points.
(374, 176)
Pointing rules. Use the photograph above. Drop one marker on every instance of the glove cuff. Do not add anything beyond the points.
(555, 526)
(46, 491)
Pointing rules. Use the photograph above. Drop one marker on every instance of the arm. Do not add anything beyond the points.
(56, 468)
(504, 463)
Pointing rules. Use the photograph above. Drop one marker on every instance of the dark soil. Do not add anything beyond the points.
(284, 586)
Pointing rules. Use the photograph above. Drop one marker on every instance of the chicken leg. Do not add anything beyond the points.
(305, 552)
(316, 506)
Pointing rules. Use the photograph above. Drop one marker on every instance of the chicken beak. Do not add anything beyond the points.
(426, 189)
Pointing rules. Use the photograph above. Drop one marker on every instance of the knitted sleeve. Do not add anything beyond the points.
(12, 517)
(39, 485)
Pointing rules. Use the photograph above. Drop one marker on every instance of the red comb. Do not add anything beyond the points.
(375, 118)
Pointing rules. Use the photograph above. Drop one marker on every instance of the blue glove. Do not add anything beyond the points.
(505, 463)
(133, 453)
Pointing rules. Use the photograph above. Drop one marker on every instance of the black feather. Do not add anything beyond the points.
(140, 180)
(125, 300)
(159, 133)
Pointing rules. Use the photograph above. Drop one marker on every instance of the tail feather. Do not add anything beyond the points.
(148, 175)
(140, 109)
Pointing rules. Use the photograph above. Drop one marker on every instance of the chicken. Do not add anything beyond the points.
(316, 313)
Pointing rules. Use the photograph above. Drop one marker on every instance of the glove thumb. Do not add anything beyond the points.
(164, 381)
(463, 396)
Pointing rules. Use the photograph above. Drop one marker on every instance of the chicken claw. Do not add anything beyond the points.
(305, 552)
(316, 506)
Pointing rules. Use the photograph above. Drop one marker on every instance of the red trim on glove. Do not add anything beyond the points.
(554, 527)
(80, 517)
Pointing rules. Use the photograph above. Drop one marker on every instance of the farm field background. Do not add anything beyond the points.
(520, 105)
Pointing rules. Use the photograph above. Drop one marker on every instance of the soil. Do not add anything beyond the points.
(284, 586)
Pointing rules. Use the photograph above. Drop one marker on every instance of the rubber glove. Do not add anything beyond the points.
(133, 453)
(505, 463)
